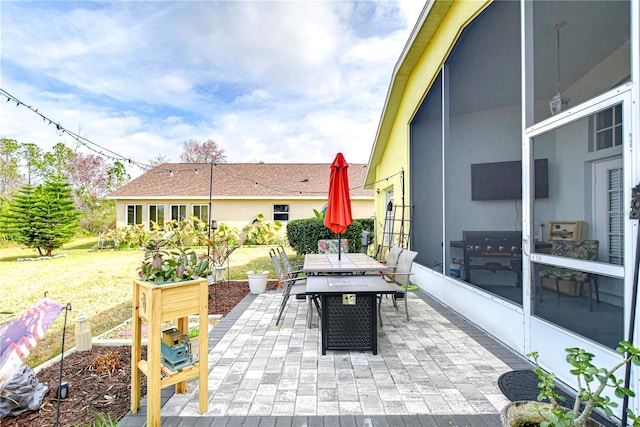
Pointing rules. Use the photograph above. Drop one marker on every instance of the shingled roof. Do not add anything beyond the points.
(240, 180)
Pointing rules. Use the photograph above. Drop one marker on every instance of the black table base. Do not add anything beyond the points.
(349, 326)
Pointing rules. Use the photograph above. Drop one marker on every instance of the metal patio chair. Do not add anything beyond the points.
(287, 283)
(293, 270)
(391, 263)
(400, 276)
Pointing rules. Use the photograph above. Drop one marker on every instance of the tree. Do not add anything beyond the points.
(118, 175)
(93, 178)
(157, 160)
(10, 177)
(34, 157)
(90, 174)
(42, 217)
(57, 163)
(202, 152)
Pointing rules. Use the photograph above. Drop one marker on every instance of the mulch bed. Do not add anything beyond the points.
(106, 393)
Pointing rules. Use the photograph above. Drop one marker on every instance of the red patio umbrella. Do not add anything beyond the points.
(338, 215)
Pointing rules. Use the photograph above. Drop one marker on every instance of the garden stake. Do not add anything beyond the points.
(64, 330)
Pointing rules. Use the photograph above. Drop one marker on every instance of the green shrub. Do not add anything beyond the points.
(368, 224)
(188, 232)
(131, 236)
(303, 235)
(225, 234)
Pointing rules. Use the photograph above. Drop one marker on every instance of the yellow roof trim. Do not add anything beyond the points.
(430, 23)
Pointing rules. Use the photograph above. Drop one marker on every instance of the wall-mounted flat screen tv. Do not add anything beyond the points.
(503, 180)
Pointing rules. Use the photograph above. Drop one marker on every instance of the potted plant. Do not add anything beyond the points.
(591, 382)
(168, 262)
(257, 279)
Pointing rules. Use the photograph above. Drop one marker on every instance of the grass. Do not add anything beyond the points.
(97, 284)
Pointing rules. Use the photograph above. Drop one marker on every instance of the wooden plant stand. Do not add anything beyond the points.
(157, 304)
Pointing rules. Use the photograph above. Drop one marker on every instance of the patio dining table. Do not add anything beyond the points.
(349, 263)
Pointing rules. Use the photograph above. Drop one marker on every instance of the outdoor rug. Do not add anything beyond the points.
(523, 385)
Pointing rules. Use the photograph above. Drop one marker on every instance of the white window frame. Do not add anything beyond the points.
(155, 217)
(277, 213)
(615, 128)
(137, 212)
(199, 215)
(180, 208)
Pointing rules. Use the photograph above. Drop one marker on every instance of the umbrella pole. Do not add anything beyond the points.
(339, 247)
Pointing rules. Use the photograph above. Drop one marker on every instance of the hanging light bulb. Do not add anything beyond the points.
(558, 103)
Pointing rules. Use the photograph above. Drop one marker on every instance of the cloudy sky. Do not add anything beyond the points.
(285, 81)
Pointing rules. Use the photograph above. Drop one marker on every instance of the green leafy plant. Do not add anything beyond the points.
(194, 332)
(261, 232)
(167, 261)
(130, 236)
(102, 421)
(591, 382)
(222, 243)
(257, 267)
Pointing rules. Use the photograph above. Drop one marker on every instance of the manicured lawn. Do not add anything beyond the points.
(97, 284)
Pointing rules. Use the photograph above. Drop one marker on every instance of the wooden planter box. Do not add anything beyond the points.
(156, 304)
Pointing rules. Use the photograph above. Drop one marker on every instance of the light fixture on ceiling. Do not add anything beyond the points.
(558, 103)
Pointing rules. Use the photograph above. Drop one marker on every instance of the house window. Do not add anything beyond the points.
(134, 214)
(607, 128)
(281, 212)
(202, 212)
(156, 214)
(178, 212)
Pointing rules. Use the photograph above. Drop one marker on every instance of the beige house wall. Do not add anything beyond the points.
(240, 212)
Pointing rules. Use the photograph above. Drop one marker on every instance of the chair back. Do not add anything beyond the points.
(284, 259)
(392, 258)
(403, 268)
(587, 249)
(275, 260)
(330, 246)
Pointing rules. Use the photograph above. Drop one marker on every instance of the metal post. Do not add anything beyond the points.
(210, 213)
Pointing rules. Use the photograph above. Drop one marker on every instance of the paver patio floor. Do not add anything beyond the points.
(433, 370)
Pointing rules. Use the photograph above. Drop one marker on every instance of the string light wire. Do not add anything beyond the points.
(61, 130)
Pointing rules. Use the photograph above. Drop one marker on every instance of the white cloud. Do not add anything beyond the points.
(271, 81)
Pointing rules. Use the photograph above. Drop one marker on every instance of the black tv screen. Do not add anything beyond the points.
(503, 180)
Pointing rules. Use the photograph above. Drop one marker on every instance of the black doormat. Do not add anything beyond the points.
(523, 385)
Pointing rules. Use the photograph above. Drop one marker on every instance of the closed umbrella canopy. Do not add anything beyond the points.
(338, 215)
